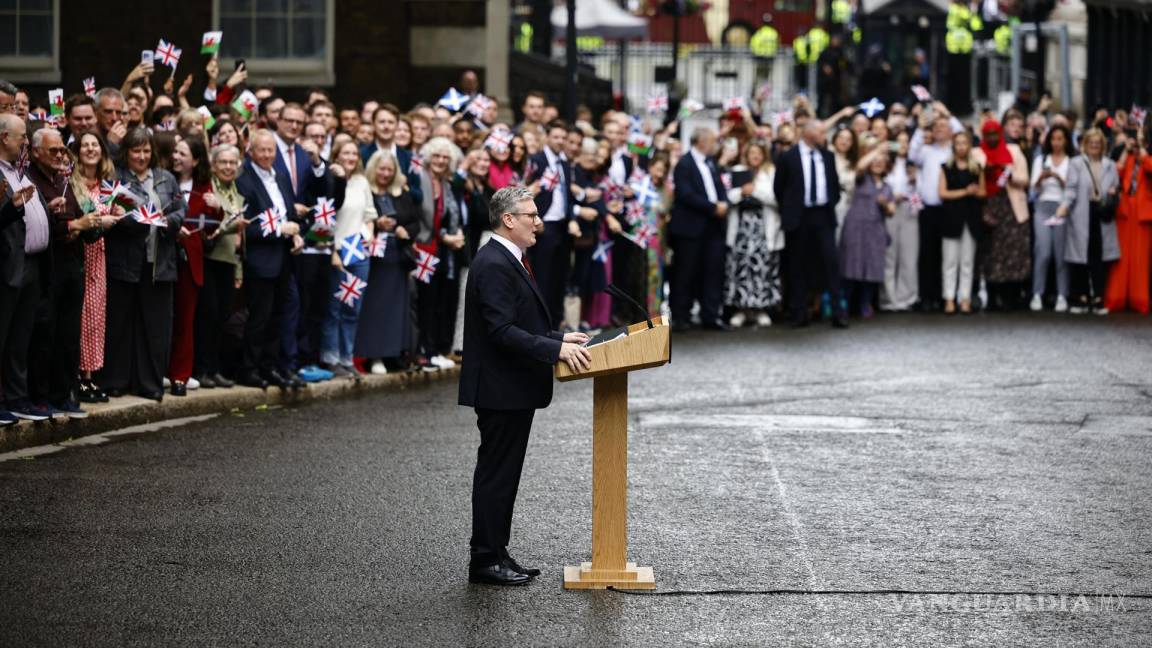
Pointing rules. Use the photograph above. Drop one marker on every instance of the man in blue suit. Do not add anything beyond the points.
(267, 258)
(697, 230)
(384, 121)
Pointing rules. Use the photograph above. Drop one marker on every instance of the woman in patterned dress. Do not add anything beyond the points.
(1008, 259)
(754, 240)
(94, 165)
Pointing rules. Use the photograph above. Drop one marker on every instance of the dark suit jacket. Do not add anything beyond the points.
(789, 187)
(12, 234)
(264, 256)
(126, 242)
(404, 158)
(693, 215)
(509, 347)
(310, 186)
(539, 165)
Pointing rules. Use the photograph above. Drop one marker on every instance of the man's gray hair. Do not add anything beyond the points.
(505, 201)
(8, 121)
(7, 88)
(41, 133)
(699, 132)
(109, 92)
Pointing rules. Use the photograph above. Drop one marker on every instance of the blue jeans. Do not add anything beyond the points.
(338, 334)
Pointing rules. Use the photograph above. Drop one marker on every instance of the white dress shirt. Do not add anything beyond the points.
(701, 161)
(512, 247)
(618, 172)
(268, 179)
(289, 158)
(808, 163)
(556, 209)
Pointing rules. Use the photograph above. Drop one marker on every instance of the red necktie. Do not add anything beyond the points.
(528, 267)
(292, 166)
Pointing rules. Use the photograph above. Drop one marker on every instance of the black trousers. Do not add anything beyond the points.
(812, 248)
(699, 276)
(551, 259)
(212, 310)
(17, 347)
(1095, 271)
(138, 335)
(267, 300)
(503, 442)
(54, 354)
(931, 258)
(313, 272)
(436, 312)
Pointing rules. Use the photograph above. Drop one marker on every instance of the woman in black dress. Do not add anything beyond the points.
(385, 332)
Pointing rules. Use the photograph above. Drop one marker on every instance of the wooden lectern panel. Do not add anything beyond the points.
(640, 349)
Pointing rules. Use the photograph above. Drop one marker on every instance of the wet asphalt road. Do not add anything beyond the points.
(962, 456)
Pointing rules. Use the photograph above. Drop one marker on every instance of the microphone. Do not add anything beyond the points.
(615, 291)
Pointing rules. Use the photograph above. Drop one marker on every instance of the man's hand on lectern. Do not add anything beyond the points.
(575, 355)
(576, 337)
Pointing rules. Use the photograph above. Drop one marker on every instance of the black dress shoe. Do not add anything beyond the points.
(511, 563)
(839, 322)
(179, 388)
(498, 574)
(252, 379)
(206, 382)
(275, 379)
(718, 325)
(155, 396)
(222, 382)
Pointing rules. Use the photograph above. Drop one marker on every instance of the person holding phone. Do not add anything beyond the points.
(754, 239)
(1050, 229)
(1128, 281)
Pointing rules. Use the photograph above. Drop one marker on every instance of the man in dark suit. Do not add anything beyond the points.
(697, 230)
(267, 277)
(509, 351)
(551, 171)
(807, 189)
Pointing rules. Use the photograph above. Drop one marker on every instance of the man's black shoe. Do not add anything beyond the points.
(718, 325)
(252, 379)
(222, 382)
(153, 396)
(680, 327)
(511, 563)
(839, 322)
(498, 574)
(276, 379)
(179, 388)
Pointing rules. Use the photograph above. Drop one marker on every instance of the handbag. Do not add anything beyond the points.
(1105, 208)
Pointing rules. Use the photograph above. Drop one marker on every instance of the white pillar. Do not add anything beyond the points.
(497, 17)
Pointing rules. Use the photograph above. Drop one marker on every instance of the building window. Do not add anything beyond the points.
(287, 41)
(29, 42)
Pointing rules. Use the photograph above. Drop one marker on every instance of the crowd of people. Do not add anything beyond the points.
(147, 245)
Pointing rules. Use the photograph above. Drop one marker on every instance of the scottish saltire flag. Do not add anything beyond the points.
(657, 103)
(416, 163)
(168, 54)
(210, 42)
(351, 289)
(453, 100)
(90, 86)
(246, 104)
(921, 93)
(325, 219)
(644, 192)
(149, 215)
(550, 179)
(377, 245)
(425, 266)
(352, 249)
(270, 221)
(601, 253)
(872, 107)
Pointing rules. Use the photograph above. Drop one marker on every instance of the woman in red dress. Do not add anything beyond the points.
(1128, 281)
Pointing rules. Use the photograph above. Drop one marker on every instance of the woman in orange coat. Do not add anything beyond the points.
(1128, 282)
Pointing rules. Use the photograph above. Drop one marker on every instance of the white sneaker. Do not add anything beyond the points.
(1100, 310)
(167, 383)
(1036, 304)
(763, 320)
(738, 319)
(442, 362)
(192, 384)
(1078, 310)
(378, 368)
(1061, 304)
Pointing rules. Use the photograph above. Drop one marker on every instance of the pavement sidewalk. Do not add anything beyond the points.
(133, 410)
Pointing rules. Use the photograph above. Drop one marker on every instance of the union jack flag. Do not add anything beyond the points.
(425, 266)
(921, 93)
(108, 189)
(351, 289)
(352, 249)
(415, 164)
(1137, 114)
(479, 105)
(641, 236)
(90, 86)
(498, 140)
(149, 215)
(168, 54)
(270, 221)
(22, 160)
(325, 220)
(782, 118)
(38, 115)
(167, 125)
(635, 213)
(377, 245)
(657, 103)
(915, 202)
(733, 103)
(550, 179)
(612, 191)
(726, 180)
(1004, 177)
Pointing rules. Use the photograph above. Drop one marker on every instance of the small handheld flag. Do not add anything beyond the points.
(425, 266)
(479, 105)
(641, 236)
(657, 103)
(377, 245)
(325, 220)
(453, 100)
(270, 220)
(726, 180)
(210, 42)
(149, 215)
(209, 120)
(246, 104)
(352, 249)
(601, 253)
(1005, 176)
(115, 193)
(635, 213)
(915, 202)
(56, 101)
(22, 160)
(498, 140)
(639, 143)
(922, 93)
(733, 103)
(872, 107)
(168, 54)
(550, 179)
(782, 118)
(351, 289)
(1137, 114)
(689, 107)
(90, 86)
(644, 191)
(415, 164)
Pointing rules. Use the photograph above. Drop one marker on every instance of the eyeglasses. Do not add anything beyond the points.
(7, 107)
(534, 215)
(56, 150)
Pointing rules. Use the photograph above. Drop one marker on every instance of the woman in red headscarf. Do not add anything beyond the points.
(1128, 281)
(1007, 258)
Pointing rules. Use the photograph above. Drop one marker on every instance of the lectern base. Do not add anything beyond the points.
(630, 578)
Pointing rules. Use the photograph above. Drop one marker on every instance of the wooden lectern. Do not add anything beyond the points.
(643, 347)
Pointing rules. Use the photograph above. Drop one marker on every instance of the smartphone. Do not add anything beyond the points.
(731, 144)
(147, 58)
(239, 64)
